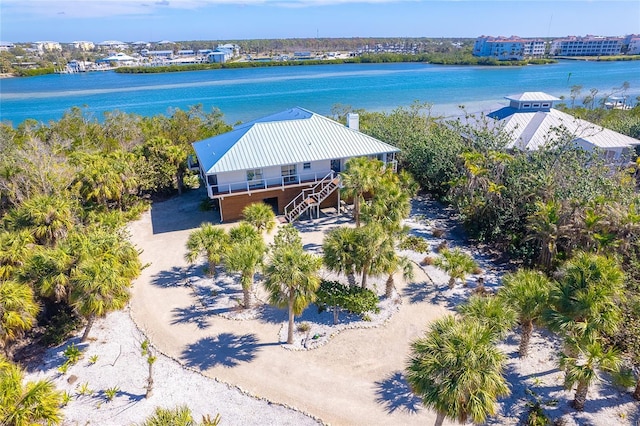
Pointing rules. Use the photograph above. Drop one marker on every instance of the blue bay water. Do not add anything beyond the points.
(245, 94)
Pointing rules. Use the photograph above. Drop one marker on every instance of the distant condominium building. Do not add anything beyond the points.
(508, 48)
(46, 46)
(587, 46)
(83, 45)
(633, 45)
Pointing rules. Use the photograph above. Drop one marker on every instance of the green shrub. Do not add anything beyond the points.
(60, 328)
(72, 353)
(414, 243)
(354, 299)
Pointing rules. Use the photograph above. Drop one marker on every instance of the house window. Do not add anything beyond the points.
(545, 105)
(306, 166)
(536, 105)
(254, 178)
(526, 106)
(289, 174)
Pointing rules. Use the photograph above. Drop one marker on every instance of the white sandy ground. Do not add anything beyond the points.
(350, 374)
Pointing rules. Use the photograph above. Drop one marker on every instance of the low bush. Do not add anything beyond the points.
(414, 243)
(354, 299)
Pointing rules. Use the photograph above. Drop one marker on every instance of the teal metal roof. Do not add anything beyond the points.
(289, 137)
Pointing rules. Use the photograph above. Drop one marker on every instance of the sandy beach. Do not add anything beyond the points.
(219, 359)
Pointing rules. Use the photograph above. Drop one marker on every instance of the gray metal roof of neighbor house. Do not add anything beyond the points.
(533, 129)
(288, 137)
(532, 97)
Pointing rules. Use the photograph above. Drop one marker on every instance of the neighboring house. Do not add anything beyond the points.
(532, 122)
(289, 160)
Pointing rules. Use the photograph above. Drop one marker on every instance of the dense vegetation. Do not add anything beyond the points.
(67, 189)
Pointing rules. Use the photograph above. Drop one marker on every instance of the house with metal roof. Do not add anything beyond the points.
(290, 160)
(532, 122)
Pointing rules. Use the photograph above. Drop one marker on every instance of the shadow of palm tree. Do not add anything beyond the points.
(174, 277)
(393, 393)
(418, 292)
(226, 349)
(192, 314)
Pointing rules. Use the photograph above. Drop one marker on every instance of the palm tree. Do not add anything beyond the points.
(582, 372)
(291, 278)
(49, 218)
(457, 370)
(48, 270)
(545, 227)
(360, 176)
(260, 215)
(527, 292)
(15, 248)
(340, 253)
(18, 311)
(245, 255)
(457, 264)
(98, 287)
(490, 312)
(369, 242)
(210, 240)
(585, 302)
(389, 262)
(27, 404)
(391, 202)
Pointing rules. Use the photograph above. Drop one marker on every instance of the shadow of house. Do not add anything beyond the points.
(226, 349)
(181, 213)
(394, 394)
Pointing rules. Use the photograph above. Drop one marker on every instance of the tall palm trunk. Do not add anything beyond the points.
(581, 395)
(439, 419)
(90, 321)
(356, 210)
(351, 278)
(636, 393)
(452, 282)
(212, 269)
(363, 283)
(389, 286)
(149, 380)
(527, 329)
(247, 285)
(291, 316)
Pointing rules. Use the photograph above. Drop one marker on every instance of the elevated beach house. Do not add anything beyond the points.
(290, 160)
(532, 122)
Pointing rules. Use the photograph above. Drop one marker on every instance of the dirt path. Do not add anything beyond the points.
(354, 379)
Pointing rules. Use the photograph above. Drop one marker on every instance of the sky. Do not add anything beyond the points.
(180, 20)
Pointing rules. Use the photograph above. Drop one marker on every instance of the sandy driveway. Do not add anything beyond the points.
(355, 379)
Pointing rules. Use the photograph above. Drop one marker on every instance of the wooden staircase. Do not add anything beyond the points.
(312, 197)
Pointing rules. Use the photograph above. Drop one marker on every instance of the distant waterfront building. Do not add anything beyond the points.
(6, 45)
(118, 59)
(113, 44)
(141, 44)
(156, 54)
(217, 57)
(587, 46)
(83, 45)
(531, 122)
(633, 45)
(508, 48)
(47, 46)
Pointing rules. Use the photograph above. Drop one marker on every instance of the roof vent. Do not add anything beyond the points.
(353, 121)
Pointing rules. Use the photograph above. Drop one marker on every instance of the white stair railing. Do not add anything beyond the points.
(311, 197)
